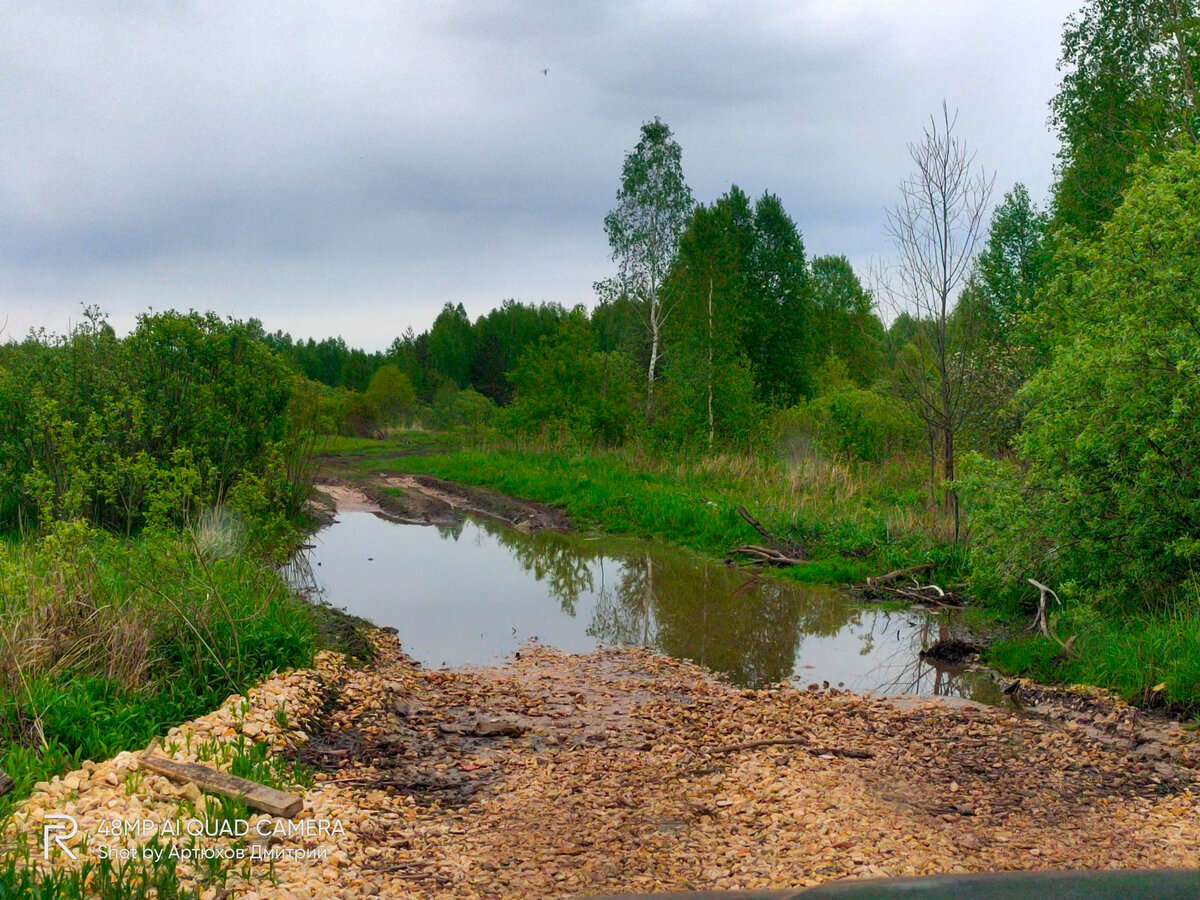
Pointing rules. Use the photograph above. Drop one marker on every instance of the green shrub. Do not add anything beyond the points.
(1106, 502)
(156, 426)
(860, 423)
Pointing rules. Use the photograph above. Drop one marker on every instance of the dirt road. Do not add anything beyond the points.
(560, 776)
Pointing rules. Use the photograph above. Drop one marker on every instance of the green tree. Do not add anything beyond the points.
(708, 289)
(643, 230)
(452, 345)
(1109, 502)
(844, 324)
(1129, 92)
(390, 395)
(778, 335)
(502, 336)
(999, 303)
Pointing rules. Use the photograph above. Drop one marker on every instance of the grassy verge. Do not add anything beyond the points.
(105, 642)
(1151, 660)
(853, 520)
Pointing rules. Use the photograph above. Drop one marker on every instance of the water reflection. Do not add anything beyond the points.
(475, 592)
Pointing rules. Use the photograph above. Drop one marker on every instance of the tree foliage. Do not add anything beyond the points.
(1110, 499)
(653, 204)
(1129, 93)
(158, 425)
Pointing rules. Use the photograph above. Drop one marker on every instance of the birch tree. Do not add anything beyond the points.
(653, 205)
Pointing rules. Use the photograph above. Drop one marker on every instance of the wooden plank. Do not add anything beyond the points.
(256, 796)
(6, 782)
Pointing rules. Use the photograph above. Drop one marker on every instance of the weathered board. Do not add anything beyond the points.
(256, 796)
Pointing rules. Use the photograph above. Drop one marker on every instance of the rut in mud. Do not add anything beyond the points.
(426, 500)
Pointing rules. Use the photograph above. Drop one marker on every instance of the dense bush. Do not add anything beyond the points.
(154, 427)
(565, 389)
(1106, 501)
(863, 424)
(739, 420)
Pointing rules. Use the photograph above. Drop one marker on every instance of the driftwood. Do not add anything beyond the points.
(882, 580)
(756, 525)
(6, 782)
(256, 796)
(779, 553)
(1041, 623)
(767, 555)
(902, 585)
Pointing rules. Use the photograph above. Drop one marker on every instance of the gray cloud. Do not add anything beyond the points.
(348, 168)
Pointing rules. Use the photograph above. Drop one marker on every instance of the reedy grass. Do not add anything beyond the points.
(105, 642)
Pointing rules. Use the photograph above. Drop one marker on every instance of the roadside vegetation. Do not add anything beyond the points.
(147, 486)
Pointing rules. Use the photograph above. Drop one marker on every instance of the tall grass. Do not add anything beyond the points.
(1129, 654)
(104, 642)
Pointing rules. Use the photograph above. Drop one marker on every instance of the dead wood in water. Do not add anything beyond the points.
(767, 555)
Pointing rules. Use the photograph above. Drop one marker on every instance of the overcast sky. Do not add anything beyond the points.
(347, 168)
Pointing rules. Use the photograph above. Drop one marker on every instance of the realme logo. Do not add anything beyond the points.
(59, 828)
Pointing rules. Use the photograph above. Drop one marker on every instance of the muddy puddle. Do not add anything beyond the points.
(474, 592)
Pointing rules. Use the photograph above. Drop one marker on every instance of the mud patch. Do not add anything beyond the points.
(425, 500)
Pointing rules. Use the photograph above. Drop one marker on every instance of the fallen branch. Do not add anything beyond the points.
(756, 525)
(754, 745)
(6, 782)
(785, 550)
(256, 796)
(846, 752)
(767, 555)
(882, 580)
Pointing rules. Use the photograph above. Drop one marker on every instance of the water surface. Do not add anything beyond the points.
(474, 593)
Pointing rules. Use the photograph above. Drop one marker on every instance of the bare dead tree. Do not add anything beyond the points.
(936, 228)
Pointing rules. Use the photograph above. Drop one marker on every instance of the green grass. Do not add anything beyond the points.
(1130, 655)
(854, 521)
(408, 440)
(95, 879)
(105, 643)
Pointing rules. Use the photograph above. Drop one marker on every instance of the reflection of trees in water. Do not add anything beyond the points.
(905, 671)
(449, 532)
(743, 625)
(625, 611)
(737, 622)
(559, 560)
(297, 573)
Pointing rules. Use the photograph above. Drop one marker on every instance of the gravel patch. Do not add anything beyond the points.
(622, 771)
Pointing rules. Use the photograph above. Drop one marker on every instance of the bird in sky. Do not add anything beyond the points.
(545, 71)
